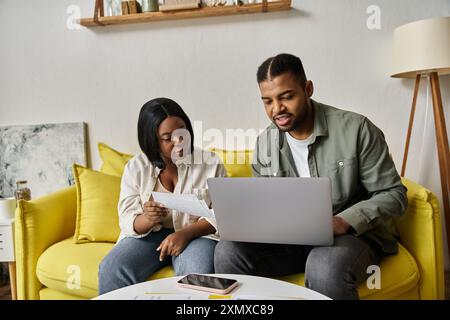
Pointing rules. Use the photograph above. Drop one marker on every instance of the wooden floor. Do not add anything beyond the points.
(447, 286)
(5, 292)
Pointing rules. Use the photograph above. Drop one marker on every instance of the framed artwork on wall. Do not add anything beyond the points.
(42, 155)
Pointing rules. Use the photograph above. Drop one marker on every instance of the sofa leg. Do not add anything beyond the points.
(12, 279)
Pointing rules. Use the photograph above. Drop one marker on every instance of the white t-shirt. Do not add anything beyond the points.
(299, 149)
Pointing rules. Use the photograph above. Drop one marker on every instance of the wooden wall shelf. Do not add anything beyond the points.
(266, 6)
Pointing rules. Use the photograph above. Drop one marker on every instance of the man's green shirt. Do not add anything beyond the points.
(367, 191)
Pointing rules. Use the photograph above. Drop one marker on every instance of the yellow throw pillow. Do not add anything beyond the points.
(238, 163)
(113, 161)
(97, 199)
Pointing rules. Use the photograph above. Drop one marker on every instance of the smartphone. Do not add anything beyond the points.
(208, 283)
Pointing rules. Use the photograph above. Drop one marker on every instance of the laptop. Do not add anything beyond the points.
(273, 210)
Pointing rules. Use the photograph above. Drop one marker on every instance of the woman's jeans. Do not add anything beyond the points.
(133, 260)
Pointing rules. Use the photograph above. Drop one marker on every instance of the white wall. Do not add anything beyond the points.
(102, 76)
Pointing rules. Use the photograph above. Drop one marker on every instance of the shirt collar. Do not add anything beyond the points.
(180, 163)
(320, 121)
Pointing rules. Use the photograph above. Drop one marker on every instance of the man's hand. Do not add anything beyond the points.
(340, 226)
(173, 244)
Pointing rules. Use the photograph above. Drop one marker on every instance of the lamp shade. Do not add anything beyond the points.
(422, 47)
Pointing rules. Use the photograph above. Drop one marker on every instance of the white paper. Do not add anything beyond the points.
(261, 297)
(187, 203)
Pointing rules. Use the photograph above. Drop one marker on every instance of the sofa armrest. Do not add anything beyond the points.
(39, 224)
(420, 232)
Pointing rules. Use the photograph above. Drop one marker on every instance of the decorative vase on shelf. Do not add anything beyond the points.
(150, 5)
(107, 7)
(22, 192)
(215, 3)
(112, 8)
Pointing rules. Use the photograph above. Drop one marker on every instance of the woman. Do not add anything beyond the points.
(153, 236)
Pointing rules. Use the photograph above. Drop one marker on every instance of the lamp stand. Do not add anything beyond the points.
(441, 140)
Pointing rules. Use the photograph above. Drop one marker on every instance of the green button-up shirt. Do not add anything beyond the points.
(346, 147)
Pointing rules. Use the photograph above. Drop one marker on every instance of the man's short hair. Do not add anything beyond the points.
(280, 64)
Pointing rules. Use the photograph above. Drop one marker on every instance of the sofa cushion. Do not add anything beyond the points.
(97, 197)
(399, 274)
(59, 266)
(237, 163)
(113, 161)
(52, 294)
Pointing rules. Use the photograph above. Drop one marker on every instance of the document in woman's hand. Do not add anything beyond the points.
(187, 203)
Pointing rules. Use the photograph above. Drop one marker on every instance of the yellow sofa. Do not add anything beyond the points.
(47, 259)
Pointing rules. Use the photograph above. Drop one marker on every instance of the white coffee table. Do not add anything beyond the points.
(250, 287)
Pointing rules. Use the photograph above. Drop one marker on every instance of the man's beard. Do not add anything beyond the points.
(297, 120)
(293, 126)
(287, 129)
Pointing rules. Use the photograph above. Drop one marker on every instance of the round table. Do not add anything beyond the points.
(249, 288)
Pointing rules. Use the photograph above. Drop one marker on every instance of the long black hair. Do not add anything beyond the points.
(150, 117)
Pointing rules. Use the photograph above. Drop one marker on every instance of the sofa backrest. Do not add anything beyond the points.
(237, 163)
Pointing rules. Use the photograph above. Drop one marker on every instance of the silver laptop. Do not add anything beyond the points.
(273, 210)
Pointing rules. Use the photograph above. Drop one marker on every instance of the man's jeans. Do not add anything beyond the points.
(334, 271)
(133, 260)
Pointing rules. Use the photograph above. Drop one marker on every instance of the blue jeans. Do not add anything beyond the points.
(334, 271)
(133, 260)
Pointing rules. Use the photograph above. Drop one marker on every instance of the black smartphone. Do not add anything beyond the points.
(208, 283)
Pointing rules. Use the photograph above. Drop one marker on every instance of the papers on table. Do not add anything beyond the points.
(187, 203)
(263, 297)
(163, 296)
(206, 296)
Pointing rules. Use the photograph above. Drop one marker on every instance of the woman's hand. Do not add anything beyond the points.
(151, 216)
(173, 244)
(154, 212)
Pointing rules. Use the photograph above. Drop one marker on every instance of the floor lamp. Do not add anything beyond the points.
(422, 48)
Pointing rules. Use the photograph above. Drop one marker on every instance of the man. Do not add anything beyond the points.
(310, 139)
